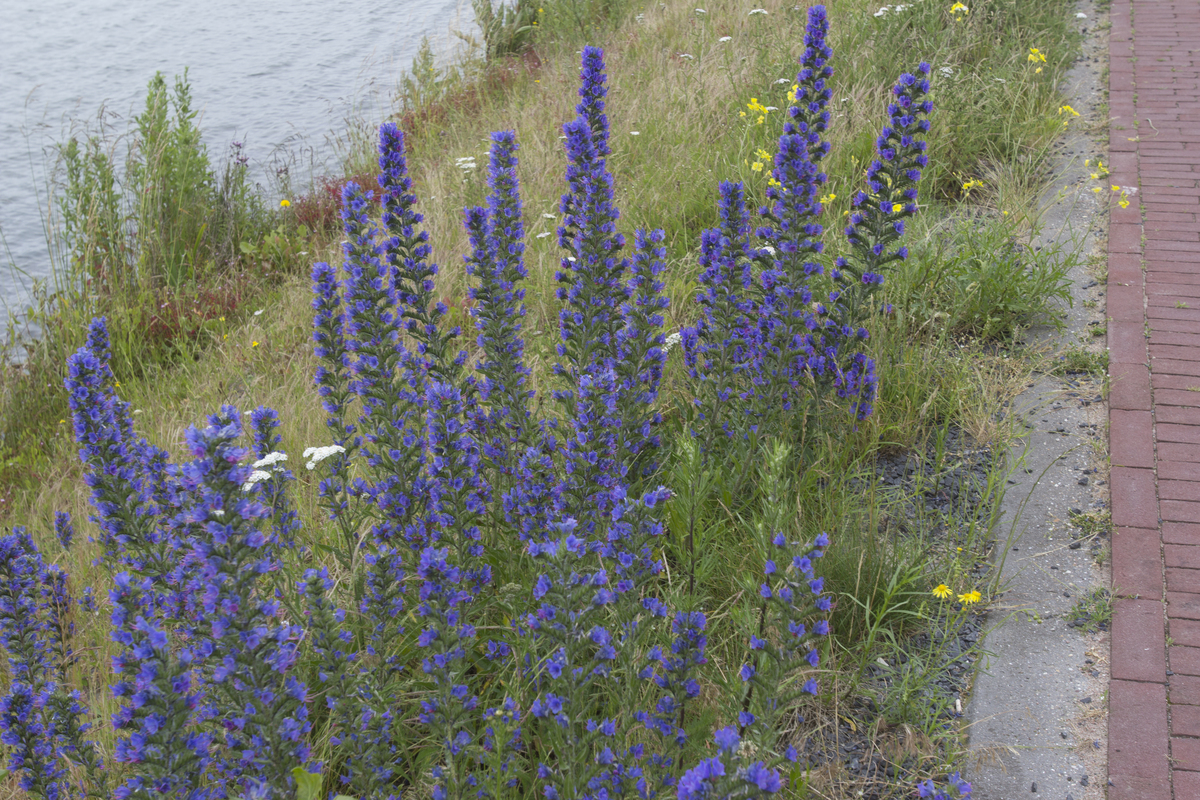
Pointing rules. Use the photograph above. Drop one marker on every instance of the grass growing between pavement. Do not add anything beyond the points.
(687, 91)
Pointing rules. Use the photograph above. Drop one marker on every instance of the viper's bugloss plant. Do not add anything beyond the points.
(592, 269)
(763, 350)
(373, 651)
(503, 422)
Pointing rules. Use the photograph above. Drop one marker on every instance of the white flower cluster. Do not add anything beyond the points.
(260, 473)
(466, 163)
(671, 341)
(316, 455)
(756, 11)
(896, 9)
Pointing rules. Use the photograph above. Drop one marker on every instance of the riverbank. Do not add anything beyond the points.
(694, 96)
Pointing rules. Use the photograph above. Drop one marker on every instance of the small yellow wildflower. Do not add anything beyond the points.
(829, 198)
(222, 319)
(959, 8)
(970, 597)
(756, 166)
(1036, 57)
(772, 182)
(897, 208)
(254, 344)
(1096, 190)
(763, 155)
(942, 591)
(1116, 188)
(1123, 203)
(284, 203)
(969, 185)
(1068, 110)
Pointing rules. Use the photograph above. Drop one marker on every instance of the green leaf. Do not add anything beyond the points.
(308, 784)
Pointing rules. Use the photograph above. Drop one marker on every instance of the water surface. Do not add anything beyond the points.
(283, 76)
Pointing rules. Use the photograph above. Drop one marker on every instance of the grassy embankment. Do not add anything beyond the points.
(677, 93)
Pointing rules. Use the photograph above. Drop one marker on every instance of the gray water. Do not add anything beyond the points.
(282, 76)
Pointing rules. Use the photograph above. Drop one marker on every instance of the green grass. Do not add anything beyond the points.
(971, 277)
(1077, 360)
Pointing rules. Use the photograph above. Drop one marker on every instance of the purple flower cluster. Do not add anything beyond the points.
(792, 601)
(126, 474)
(503, 423)
(592, 271)
(727, 774)
(954, 783)
(762, 347)
(406, 252)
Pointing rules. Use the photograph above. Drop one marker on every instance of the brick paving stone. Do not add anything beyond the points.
(1183, 605)
(1184, 689)
(1185, 660)
(1183, 580)
(1171, 432)
(1185, 721)
(1177, 415)
(1179, 451)
(1127, 342)
(1184, 632)
(1129, 386)
(1180, 533)
(1135, 573)
(1179, 511)
(1134, 501)
(1174, 352)
(1138, 643)
(1131, 438)
(1181, 555)
(1178, 490)
(1186, 783)
(1137, 741)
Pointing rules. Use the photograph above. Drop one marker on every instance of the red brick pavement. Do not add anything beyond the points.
(1154, 416)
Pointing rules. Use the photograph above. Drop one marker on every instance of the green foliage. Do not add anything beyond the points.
(508, 30)
(1079, 360)
(1092, 611)
(978, 278)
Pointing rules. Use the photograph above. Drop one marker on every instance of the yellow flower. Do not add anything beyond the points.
(959, 8)
(763, 155)
(1123, 203)
(969, 185)
(829, 198)
(1068, 110)
(970, 597)
(942, 591)
(756, 166)
(284, 203)
(1036, 56)
(1096, 190)
(897, 208)
(254, 344)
